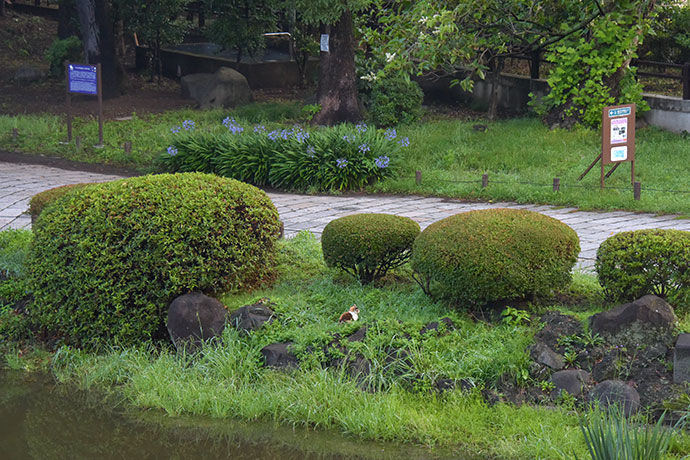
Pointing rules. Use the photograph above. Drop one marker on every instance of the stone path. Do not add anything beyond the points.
(18, 182)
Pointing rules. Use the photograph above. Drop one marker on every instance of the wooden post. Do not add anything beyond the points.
(128, 147)
(637, 191)
(485, 180)
(100, 105)
(556, 184)
(686, 81)
(77, 141)
(15, 134)
(69, 106)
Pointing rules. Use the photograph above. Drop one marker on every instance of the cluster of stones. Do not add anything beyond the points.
(626, 360)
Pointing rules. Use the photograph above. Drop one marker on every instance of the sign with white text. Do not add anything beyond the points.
(82, 79)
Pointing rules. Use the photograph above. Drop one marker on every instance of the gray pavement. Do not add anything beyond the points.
(19, 182)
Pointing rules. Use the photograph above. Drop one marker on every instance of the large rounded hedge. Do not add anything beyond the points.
(368, 245)
(632, 264)
(108, 259)
(478, 257)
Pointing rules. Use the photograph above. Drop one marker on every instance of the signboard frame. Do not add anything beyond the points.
(618, 138)
(78, 73)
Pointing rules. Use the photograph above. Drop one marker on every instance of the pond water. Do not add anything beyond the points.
(39, 420)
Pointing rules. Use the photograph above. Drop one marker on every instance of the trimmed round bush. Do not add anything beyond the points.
(633, 264)
(483, 256)
(43, 199)
(395, 100)
(108, 259)
(368, 245)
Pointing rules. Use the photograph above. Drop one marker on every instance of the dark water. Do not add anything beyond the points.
(39, 420)
(213, 50)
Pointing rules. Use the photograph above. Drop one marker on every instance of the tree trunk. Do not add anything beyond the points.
(337, 89)
(99, 42)
(2, 7)
(67, 26)
(495, 82)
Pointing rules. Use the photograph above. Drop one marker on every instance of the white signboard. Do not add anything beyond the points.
(619, 130)
(324, 43)
(619, 153)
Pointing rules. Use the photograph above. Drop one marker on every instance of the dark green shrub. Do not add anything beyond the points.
(40, 200)
(494, 254)
(69, 49)
(368, 245)
(108, 259)
(14, 247)
(395, 100)
(633, 264)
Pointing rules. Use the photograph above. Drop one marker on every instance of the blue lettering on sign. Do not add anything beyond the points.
(82, 79)
(619, 112)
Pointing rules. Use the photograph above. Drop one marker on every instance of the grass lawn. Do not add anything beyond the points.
(520, 156)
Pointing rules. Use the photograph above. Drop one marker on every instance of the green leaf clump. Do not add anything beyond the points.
(108, 259)
(488, 255)
(636, 263)
(368, 245)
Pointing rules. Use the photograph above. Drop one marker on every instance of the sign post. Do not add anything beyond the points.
(617, 141)
(84, 79)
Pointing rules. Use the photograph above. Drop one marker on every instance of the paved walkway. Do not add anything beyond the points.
(18, 182)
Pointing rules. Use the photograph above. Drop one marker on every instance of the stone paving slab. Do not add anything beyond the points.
(19, 182)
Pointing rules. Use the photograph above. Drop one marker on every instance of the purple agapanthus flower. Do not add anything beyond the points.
(382, 161)
(362, 127)
(405, 141)
(259, 129)
(300, 135)
(390, 134)
(175, 130)
(188, 125)
(341, 162)
(172, 151)
(273, 135)
(364, 148)
(311, 151)
(233, 126)
(347, 138)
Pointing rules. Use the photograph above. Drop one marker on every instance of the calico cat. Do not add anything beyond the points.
(351, 315)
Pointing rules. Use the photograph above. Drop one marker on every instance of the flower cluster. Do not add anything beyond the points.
(390, 134)
(300, 135)
(364, 148)
(232, 125)
(175, 129)
(311, 151)
(188, 125)
(405, 142)
(361, 128)
(382, 161)
(349, 138)
(259, 129)
(341, 162)
(172, 150)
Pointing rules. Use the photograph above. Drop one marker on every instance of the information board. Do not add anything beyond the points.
(82, 79)
(618, 134)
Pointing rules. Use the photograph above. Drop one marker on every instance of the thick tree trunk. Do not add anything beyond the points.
(337, 89)
(99, 42)
(67, 26)
(495, 85)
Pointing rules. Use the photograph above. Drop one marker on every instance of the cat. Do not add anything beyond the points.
(351, 315)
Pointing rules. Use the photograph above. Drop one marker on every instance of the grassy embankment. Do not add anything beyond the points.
(521, 156)
(226, 379)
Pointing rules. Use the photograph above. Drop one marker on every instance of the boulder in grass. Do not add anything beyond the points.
(571, 380)
(252, 317)
(278, 355)
(194, 318)
(616, 393)
(649, 311)
(224, 88)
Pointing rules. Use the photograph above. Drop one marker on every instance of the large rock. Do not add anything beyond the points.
(279, 355)
(195, 317)
(572, 380)
(27, 73)
(557, 325)
(681, 359)
(225, 88)
(649, 311)
(252, 317)
(616, 392)
(543, 354)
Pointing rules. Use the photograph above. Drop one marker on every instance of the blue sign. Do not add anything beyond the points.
(619, 112)
(82, 79)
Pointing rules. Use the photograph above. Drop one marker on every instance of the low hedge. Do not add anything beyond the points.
(496, 254)
(107, 260)
(42, 199)
(632, 264)
(368, 245)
